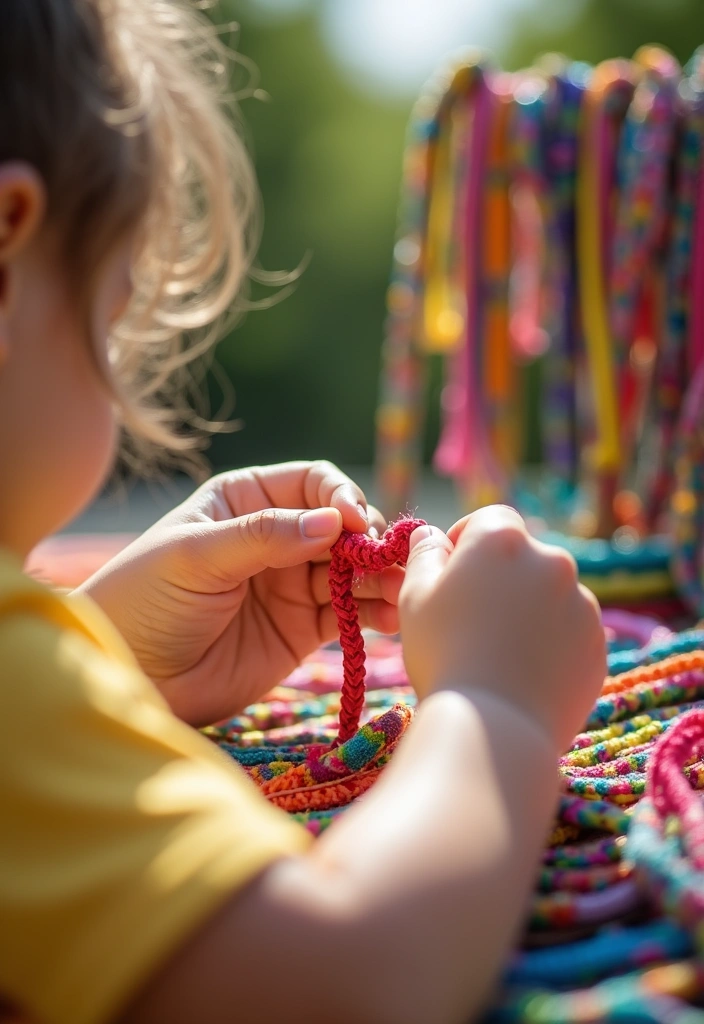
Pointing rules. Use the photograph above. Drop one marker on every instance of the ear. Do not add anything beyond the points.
(22, 206)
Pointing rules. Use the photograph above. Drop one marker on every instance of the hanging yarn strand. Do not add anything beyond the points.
(352, 554)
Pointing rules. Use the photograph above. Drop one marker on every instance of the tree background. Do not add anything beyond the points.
(328, 155)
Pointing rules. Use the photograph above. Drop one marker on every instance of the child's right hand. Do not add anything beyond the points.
(488, 608)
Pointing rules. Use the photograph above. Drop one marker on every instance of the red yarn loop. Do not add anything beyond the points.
(669, 788)
(353, 553)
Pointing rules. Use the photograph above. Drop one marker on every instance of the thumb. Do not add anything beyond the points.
(429, 552)
(274, 538)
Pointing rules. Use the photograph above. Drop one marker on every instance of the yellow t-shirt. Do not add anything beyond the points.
(121, 828)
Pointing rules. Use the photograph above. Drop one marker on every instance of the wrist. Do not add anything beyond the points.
(513, 716)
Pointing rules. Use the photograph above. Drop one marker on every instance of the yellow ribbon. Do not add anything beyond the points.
(606, 454)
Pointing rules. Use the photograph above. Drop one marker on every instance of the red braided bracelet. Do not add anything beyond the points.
(352, 554)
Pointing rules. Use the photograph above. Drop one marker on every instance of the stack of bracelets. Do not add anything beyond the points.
(551, 253)
(615, 928)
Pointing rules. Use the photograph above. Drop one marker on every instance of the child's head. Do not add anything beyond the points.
(123, 186)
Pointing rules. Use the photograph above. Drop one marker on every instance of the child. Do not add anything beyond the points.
(142, 877)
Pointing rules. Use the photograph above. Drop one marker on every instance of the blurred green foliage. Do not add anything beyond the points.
(328, 160)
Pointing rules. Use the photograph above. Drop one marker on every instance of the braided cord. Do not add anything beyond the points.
(352, 554)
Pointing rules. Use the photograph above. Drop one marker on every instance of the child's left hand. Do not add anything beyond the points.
(225, 595)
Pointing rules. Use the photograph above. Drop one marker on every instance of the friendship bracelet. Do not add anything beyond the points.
(656, 995)
(609, 743)
(679, 688)
(617, 949)
(585, 854)
(593, 814)
(681, 643)
(672, 861)
(593, 878)
(569, 910)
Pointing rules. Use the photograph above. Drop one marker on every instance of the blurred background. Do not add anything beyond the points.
(333, 82)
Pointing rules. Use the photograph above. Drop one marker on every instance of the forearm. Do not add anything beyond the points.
(441, 855)
(403, 912)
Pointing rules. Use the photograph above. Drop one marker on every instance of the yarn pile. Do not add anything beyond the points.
(616, 923)
(614, 932)
(551, 254)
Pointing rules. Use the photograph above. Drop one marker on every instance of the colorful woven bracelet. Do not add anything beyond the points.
(656, 995)
(580, 963)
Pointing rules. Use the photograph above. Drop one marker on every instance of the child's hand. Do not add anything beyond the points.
(489, 608)
(223, 597)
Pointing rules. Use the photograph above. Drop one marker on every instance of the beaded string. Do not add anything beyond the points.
(353, 553)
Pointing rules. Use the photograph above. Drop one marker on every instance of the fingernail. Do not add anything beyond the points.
(422, 533)
(320, 522)
(363, 512)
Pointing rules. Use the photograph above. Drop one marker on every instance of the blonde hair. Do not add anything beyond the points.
(124, 108)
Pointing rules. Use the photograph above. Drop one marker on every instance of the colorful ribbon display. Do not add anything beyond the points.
(551, 251)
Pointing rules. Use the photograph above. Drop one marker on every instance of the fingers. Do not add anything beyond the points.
(290, 485)
(562, 562)
(490, 519)
(430, 550)
(385, 585)
(377, 523)
(273, 538)
(325, 484)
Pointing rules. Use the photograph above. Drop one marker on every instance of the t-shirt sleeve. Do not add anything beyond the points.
(121, 830)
